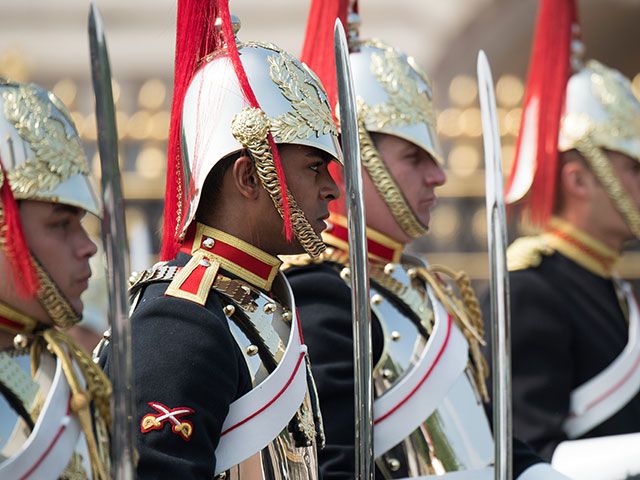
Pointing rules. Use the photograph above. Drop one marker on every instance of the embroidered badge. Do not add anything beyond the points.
(173, 415)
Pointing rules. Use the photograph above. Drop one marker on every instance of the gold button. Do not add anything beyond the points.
(395, 335)
(229, 310)
(376, 299)
(269, 308)
(389, 268)
(386, 373)
(252, 350)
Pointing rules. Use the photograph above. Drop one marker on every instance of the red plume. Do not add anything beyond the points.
(317, 53)
(549, 71)
(14, 243)
(196, 37)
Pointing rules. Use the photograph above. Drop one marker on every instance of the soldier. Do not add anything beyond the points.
(221, 382)
(573, 320)
(429, 374)
(54, 400)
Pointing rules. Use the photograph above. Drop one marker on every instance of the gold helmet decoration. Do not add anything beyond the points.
(42, 159)
(40, 148)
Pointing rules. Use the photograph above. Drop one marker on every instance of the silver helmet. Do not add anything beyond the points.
(601, 112)
(216, 122)
(44, 160)
(40, 148)
(394, 97)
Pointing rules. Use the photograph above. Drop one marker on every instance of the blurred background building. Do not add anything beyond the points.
(46, 42)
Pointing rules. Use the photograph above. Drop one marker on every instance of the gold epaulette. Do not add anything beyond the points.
(527, 252)
(302, 260)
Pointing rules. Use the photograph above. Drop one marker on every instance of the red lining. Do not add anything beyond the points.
(415, 389)
(270, 402)
(48, 450)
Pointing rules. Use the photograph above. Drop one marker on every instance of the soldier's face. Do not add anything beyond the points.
(308, 179)
(417, 175)
(57, 238)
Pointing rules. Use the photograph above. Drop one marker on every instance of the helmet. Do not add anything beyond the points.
(40, 148)
(293, 107)
(601, 112)
(42, 159)
(394, 97)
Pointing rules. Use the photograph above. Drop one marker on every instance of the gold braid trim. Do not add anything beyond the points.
(53, 300)
(250, 127)
(387, 187)
(603, 171)
(465, 312)
(99, 389)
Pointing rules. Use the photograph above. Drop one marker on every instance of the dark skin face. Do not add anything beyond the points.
(246, 211)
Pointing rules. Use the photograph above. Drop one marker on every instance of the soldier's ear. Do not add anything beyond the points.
(577, 180)
(246, 178)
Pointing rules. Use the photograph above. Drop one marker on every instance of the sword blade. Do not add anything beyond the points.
(499, 281)
(357, 259)
(116, 249)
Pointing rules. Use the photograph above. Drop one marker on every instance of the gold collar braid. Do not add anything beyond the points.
(98, 387)
(387, 187)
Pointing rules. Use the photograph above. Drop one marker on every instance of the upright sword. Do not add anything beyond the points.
(117, 252)
(499, 281)
(361, 313)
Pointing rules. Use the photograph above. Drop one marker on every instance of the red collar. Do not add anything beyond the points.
(234, 255)
(382, 249)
